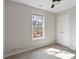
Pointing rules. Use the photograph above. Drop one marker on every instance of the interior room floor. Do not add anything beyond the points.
(55, 51)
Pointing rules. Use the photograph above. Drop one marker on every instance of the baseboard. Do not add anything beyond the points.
(14, 53)
(66, 46)
(21, 51)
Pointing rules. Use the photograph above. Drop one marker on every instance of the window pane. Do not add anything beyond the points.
(37, 32)
(37, 20)
(37, 26)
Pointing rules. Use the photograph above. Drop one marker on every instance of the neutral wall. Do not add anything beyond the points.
(72, 20)
(18, 27)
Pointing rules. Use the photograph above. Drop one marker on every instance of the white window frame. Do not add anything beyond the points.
(42, 26)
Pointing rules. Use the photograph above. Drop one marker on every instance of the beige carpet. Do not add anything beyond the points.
(49, 52)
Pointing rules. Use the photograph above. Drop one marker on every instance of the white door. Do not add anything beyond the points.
(63, 29)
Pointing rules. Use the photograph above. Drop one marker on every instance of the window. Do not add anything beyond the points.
(37, 26)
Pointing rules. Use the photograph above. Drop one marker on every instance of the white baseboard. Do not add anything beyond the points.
(21, 51)
(14, 53)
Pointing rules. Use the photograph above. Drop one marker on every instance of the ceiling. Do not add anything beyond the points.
(46, 4)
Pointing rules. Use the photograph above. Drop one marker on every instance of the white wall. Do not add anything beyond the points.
(72, 20)
(63, 29)
(18, 26)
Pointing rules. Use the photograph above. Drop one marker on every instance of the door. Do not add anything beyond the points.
(63, 29)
